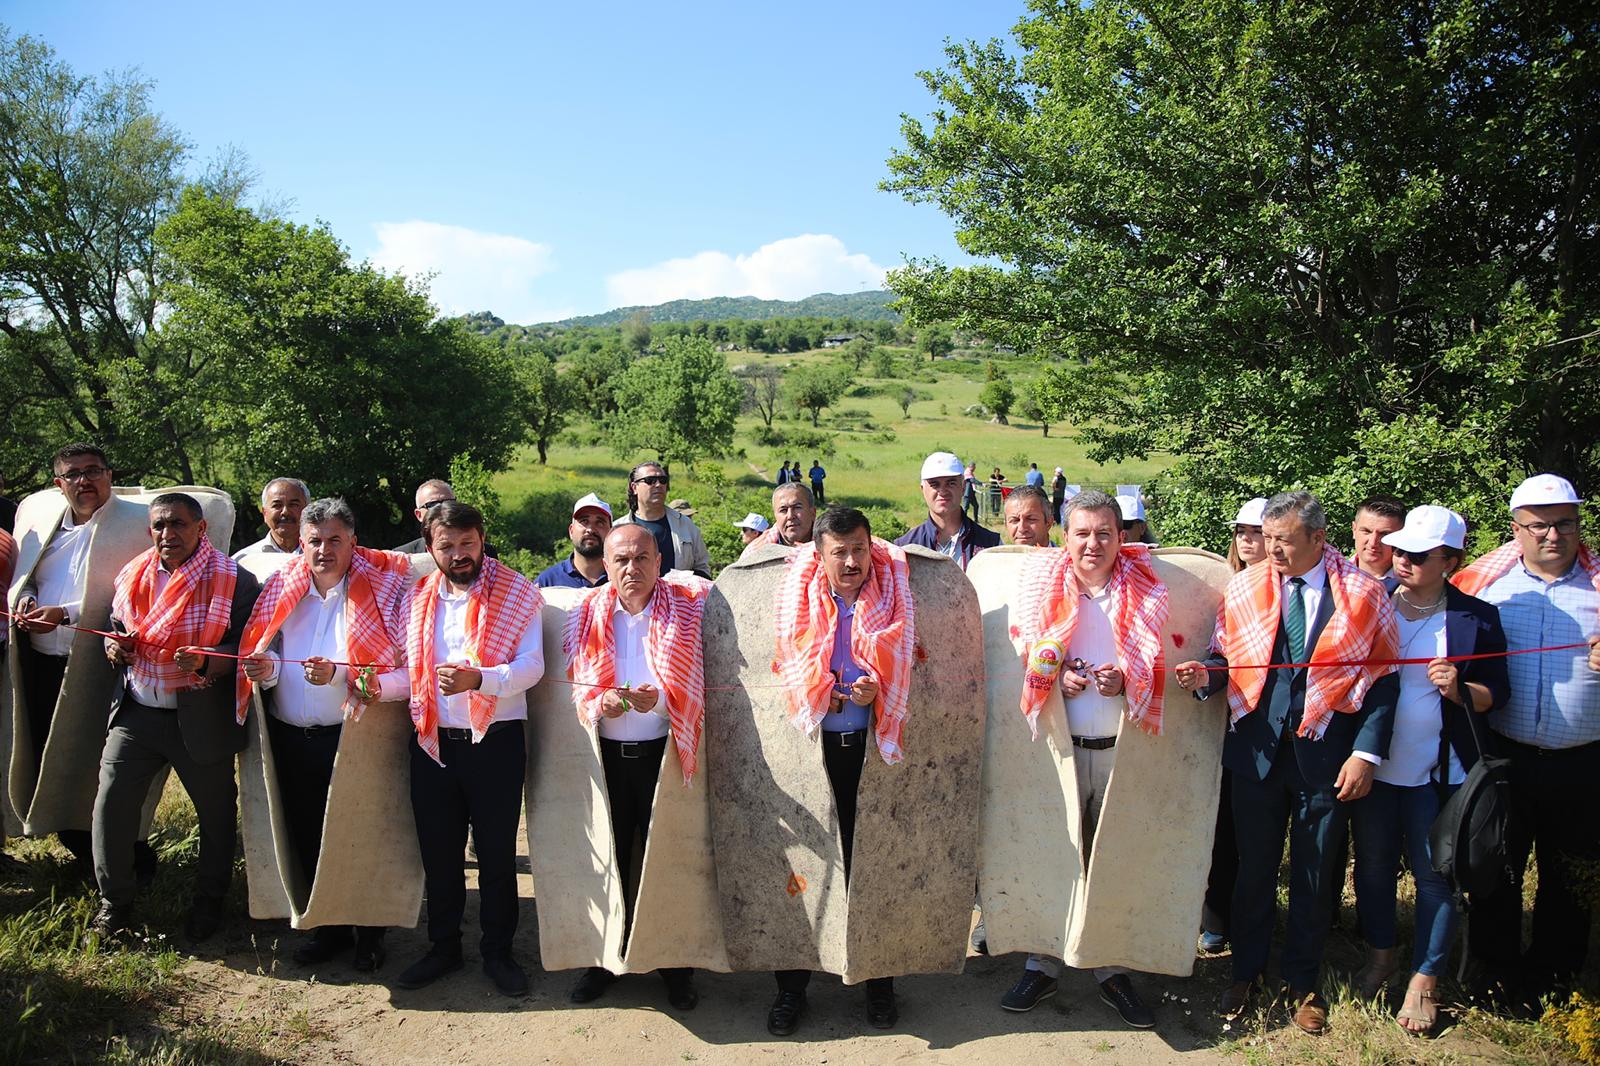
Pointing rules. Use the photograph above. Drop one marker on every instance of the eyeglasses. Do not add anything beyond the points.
(1415, 558)
(1566, 527)
(88, 473)
(651, 479)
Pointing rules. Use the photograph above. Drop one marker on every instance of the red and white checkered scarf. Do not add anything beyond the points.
(376, 585)
(1497, 564)
(1048, 600)
(501, 605)
(192, 611)
(882, 639)
(1362, 627)
(672, 649)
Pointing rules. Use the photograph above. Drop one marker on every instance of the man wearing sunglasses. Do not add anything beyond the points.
(430, 494)
(677, 537)
(1546, 583)
(68, 555)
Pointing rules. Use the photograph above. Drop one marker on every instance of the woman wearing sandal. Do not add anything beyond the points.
(1437, 738)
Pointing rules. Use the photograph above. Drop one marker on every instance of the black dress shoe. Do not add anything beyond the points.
(1117, 993)
(784, 1017)
(326, 943)
(432, 966)
(110, 924)
(370, 952)
(509, 978)
(680, 988)
(881, 1011)
(592, 985)
(205, 918)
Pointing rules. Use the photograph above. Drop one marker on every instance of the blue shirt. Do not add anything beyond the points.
(853, 716)
(564, 575)
(1555, 697)
(1034, 477)
(817, 473)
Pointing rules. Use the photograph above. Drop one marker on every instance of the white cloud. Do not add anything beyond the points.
(473, 271)
(786, 269)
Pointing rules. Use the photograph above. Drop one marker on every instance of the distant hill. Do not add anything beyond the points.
(858, 305)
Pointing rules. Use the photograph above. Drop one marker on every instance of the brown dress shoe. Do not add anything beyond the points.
(1310, 1012)
(1235, 998)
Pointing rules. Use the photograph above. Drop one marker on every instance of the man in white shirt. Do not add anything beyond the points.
(474, 646)
(634, 728)
(282, 500)
(305, 698)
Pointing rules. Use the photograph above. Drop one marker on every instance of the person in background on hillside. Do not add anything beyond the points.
(969, 491)
(794, 513)
(1245, 547)
(1028, 517)
(1302, 744)
(585, 567)
(1546, 583)
(751, 526)
(818, 475)
(948, 530)
(677, 537)
(1034, 476)
(1131, 499)
(1439, 733)
(430, 494)
(783, 473)
(1376, 518)
(1058, 493)
(282, 500)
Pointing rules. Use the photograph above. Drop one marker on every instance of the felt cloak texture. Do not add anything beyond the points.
(780, 864)
(1135, 901)
(576, 877)
(61, 794)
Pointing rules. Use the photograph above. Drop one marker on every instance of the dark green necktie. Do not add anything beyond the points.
(1294, 619)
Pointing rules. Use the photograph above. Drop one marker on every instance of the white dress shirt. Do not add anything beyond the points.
(630, 631)
(59, 580)
(152, 695)
(506, 682)
(265, 545)
(1089, 714)
(316, 627)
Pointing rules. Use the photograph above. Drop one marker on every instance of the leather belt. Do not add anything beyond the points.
(308, 730)
(635, 749)
(852, 739)
(448, 733)
(1094, 743)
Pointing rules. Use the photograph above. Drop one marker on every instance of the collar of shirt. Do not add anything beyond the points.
(1316, 579)
(1573, 572)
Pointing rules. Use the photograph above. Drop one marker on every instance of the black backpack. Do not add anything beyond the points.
(1470, 837)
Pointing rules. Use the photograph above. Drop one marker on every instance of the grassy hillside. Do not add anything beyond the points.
(867, 305)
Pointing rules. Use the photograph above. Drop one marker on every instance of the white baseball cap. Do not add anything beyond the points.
(1252, 513)
(1130, 501)
(589, 501)
(1541, 490)
(753, 522)
(1427, 528)
(942, 464)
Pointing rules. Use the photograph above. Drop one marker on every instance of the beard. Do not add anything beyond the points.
(463, 578)
(592, 550)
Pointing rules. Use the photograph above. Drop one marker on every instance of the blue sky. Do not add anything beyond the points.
(555, 159)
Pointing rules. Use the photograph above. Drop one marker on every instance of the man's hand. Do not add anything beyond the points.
(36, 619)
(257, 667)
(319, 671)
(1594, 652)
(119, 650)
(1191, 675)
(1072, 683)
(1444, 676)
(1108, 680)
(864, 691)
(190, 658)
(455, 678)
(643, 698)
(1355, 778)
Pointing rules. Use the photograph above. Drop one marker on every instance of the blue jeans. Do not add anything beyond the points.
(1386, 819)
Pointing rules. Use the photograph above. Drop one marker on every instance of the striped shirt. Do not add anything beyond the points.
(1555, 697)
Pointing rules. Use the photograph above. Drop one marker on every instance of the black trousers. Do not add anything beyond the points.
(41, 688)
(479, 786)
(816, 493)
(304, 759)
(1553, 806)
(632, 769)
(1214, 916)
(844, 763)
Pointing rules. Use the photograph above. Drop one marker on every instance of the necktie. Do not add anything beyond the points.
(1294, 619)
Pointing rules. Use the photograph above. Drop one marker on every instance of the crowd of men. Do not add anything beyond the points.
(1309, 753)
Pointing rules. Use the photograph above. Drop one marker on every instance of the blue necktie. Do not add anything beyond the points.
(1294, 619)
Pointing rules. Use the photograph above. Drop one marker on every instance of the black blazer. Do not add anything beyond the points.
(207, 716)
(1251, 744)
(1472, 627)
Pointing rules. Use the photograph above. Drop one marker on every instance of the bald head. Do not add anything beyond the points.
(633, 563)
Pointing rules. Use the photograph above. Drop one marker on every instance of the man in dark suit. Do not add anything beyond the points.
(1296, 760)
(174, 706)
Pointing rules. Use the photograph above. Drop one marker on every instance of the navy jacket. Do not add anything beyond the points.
(974, 538)
(1472, 627)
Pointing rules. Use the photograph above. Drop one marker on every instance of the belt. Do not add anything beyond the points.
(1536, 750)
(635, 749)
(853, 739)
(1094, 743)
(308, 730)
(466, 734)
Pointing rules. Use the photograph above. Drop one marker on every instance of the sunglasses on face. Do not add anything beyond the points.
(651, 479)
(1416, 558)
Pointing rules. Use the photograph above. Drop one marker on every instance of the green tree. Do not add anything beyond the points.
(546, 398)
(935, 342)
(594, 376)
(884, 364)
(1310, 244)
(908, 396)
(636, 332)
(998, 395)
(763, 385)
(678, 405)
(1031, 409)
(813, 388)
(857, 352)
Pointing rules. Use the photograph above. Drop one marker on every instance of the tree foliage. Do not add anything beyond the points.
(998, 395)
(1348, 247)
(545, 400)
(678, 405)
(763, 385)
(813, 388)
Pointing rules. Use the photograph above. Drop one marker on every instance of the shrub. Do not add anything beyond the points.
(1578, 1023)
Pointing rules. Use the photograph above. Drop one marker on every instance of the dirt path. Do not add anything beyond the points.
(334, 1016)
